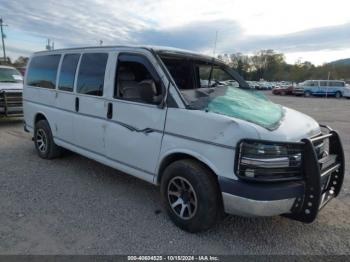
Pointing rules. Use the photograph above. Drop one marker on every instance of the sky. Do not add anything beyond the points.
(306, 30)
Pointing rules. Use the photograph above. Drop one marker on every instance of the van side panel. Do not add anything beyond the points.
(211, 138)
(39, 100)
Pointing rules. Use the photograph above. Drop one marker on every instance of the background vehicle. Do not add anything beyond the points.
(346, 92)
(322, 88)
(11, 88)
(283, 90)
(186, 122)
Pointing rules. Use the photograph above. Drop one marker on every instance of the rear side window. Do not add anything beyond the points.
(42, 71)
(67, 73)
(338, 84)
(323, 83)
(92, 73)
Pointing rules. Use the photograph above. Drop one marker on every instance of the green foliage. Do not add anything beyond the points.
(271, 66)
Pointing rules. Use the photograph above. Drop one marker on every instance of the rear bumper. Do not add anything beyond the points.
(299, 200)
(298, 92)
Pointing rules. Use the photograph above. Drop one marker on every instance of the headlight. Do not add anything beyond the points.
(268, 161)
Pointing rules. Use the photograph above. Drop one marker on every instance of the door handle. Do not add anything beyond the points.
(77, 104)
(110, 110)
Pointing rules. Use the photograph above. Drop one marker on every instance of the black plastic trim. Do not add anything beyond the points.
(261, 192)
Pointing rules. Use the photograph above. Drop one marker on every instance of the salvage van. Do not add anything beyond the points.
(188, 123)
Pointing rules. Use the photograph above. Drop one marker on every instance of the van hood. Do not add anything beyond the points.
(10, 86)
(271, 121)
(293, 127)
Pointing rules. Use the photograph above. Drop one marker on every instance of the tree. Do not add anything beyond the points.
(271, 65)
(21, 61)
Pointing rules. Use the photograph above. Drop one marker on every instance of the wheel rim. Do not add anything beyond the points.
(182, 198)
(41, 140)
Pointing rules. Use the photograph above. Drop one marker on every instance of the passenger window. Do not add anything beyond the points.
(323, 83)
(137, 80)
(92, 73)
(217, 76)
(42, 71)
(67, 73)
(313, 83)
(204, 74)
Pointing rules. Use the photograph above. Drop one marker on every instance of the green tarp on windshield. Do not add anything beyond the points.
(247, 105)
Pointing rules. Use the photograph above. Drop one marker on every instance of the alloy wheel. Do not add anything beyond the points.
(182, 197)
(41, 140)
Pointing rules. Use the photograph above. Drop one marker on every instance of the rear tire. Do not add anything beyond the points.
(43, 141)
(338, 94)
(190, 195)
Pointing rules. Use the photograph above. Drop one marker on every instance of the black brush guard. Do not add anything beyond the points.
(11, 103)
(323, 176)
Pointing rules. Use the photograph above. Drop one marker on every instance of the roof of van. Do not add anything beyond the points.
(158, 49)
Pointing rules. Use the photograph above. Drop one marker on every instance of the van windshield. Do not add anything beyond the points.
(233, 101)
(10, 75)
(212, 88)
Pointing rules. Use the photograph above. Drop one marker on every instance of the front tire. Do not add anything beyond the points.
(43, 141)
(338, 94)
(307, 94)
(190, 195)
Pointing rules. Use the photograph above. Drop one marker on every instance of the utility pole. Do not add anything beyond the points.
(2, 38)
(216, 39)
(329, 74)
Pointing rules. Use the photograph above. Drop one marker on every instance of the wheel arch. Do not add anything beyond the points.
(171, 157)
(41, 116)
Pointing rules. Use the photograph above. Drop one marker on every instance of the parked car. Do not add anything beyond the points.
(11, 88)
(346, 92)
(283, 90)
(217, 148)
(321, 88)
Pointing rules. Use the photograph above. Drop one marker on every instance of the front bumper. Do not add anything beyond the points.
(299, 200)
(11, 102)
(254, 199)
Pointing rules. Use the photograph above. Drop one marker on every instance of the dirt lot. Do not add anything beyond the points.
(74, 205)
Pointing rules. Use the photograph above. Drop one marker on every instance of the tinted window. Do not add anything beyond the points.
(338, 84)
(323, 83)
(310, 83)
(67, 73)
(137, 80)
(92, 73)
(42, 71)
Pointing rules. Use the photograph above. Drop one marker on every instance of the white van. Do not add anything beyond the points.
(186, 122)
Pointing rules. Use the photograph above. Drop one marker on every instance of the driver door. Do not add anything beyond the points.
(135, 130)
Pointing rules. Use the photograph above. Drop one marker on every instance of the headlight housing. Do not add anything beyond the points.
(268, 161)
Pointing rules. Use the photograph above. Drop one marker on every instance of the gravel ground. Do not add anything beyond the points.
(74, 205)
